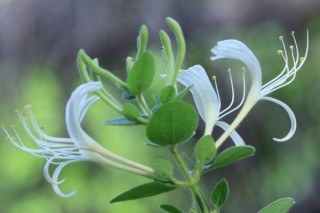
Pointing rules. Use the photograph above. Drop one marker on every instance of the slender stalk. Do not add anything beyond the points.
(102, 72)
(104, 95)
(193, 182)
(143, 104)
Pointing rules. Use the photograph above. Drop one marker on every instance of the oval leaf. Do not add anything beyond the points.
(230, 156)
(205, 150)
(170, 209)
(282, 205)
(172, 123)
(142, 191)
(220, 193)
(141, 74)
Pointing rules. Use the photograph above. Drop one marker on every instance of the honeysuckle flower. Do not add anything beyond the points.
(207, 100)
(59, 152)
(235, 49)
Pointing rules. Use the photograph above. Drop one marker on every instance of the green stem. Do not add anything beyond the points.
(193, 182)
(104, 95)
(100, 71)
(143, 104)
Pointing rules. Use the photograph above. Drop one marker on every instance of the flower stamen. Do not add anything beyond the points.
(232, 93)
(224, 112)
(214, 78)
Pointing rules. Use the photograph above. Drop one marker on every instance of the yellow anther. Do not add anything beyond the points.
(243, 69)
(281, 38)
(291, 47)
(1, 125)
(292, 33)
(302, 59)
(280, 52)
(214, 77)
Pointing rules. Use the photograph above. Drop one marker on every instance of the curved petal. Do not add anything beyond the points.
(55, 183)
(75, 110)
(291, 116)
(204, 96)
(46, 172)
(235, 49)
(238, 141)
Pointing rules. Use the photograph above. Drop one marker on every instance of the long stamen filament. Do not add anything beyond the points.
(242, 99)
(214, 78)
(232, 93)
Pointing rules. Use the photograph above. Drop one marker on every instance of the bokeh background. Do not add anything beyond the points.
(39, 40)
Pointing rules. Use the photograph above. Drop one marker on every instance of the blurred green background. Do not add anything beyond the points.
(39, 40)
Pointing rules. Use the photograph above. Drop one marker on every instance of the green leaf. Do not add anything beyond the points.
(170, 209)
(167, 94)
(121, 122)
(131, 112)
(172, 123)
(163, 167)
(141, 74)
(124, 121)
(205, 150)
(220, 193)
(142, 191)
(230, 156)
(282, 205)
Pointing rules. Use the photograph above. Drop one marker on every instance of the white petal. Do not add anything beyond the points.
(235, 49)
(75, 110)
(238, 141)
(205, 97)
(55, 183)
(291, 116)
(46, 172)
(56, 186)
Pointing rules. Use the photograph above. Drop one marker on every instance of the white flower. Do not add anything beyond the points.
(237, 50)
(207, 100)
(59, 152)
